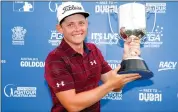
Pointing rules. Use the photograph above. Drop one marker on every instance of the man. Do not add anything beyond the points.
(74, 68)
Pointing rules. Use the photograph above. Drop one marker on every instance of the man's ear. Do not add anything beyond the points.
(59, 28)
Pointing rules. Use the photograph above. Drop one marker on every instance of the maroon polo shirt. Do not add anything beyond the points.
(66, 69)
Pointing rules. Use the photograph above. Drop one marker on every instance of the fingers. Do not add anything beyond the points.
(133, 40)
(130, 77)
(128, 40)
(134, 43)
(118, 81)
(135, 52)
(117, 68)
(135, 48)
(137, 41)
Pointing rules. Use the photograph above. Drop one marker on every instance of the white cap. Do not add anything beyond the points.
(69, 8)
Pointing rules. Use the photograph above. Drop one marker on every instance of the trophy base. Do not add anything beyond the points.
(135, 66)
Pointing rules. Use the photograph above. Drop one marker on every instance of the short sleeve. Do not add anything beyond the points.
(104, 64)
(57, 75)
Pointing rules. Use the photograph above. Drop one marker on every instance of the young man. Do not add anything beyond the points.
(74, 68)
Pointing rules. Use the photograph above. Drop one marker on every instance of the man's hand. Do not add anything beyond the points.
(131, 47)
(117, 81)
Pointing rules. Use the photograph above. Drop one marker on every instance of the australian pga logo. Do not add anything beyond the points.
(18, 34)
(55, 38)
(154, 39)
(23, 6)
(150, 95)
(11, 90)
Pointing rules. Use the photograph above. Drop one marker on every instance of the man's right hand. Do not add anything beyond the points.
(117, 82)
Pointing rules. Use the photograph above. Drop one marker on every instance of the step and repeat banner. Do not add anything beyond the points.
(29, 34)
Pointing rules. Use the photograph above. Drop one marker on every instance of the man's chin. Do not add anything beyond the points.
(79, 42)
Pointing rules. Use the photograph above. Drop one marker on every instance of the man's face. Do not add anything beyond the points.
(74, 29)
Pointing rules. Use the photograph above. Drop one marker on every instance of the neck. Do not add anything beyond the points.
(77, 47)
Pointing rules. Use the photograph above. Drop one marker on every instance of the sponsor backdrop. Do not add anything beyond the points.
(29, 34)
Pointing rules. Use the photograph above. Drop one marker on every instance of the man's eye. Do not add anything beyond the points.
(70, 25)
(81, 23)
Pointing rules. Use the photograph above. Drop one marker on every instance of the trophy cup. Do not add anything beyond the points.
(132, 24)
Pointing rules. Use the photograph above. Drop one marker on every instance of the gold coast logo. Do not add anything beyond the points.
(113, 63)
(31, 62)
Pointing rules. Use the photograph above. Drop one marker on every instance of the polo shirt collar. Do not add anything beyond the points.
(69, 50)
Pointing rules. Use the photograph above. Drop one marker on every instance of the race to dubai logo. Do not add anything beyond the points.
(150, 95)
(104, 7)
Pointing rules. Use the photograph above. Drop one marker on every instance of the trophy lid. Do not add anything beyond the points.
(132, 16)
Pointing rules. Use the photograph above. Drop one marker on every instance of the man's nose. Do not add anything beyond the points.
(77, 27)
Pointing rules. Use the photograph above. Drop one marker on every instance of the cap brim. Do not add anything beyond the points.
(85, 14)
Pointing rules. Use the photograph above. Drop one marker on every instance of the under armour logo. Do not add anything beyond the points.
(60, 84)
(93, 62)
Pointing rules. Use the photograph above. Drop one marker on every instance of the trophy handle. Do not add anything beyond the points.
(110, 26)
(155, 18)
(154, 23)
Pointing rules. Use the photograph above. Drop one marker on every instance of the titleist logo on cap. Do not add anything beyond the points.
(71, 7)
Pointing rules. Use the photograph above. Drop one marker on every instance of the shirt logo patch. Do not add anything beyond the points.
(60, 84)
(93, 62)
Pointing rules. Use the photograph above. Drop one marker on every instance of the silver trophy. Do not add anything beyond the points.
(132, 24)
